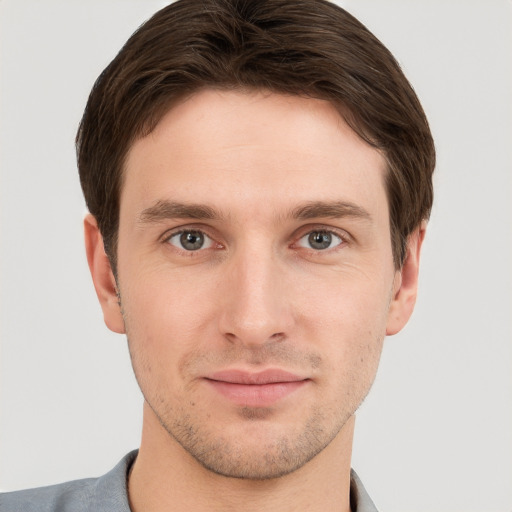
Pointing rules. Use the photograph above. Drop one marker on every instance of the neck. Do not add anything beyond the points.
(166, 477)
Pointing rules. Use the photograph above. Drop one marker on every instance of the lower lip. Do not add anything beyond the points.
(255, 395)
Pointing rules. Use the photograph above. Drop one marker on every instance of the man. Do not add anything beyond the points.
(258, 176)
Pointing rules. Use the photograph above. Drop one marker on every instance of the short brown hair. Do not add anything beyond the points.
(311, 48)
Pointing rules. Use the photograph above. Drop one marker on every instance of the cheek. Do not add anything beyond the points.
(348, 303)
(348, 322)
(164, 317)
(167, 301)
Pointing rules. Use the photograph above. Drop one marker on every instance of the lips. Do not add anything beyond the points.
(260, 389)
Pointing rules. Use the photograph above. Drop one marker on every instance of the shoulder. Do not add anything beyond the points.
(360, 501)
(69, 496)
(105, 494)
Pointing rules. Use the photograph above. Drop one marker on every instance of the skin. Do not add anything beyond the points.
(268, 177)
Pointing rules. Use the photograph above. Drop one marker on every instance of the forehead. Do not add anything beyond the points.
(230, 146)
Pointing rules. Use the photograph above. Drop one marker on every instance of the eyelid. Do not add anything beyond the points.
(178, 230)
(184, 228)
(333, 238)
(310, 228)
(345, 239)
(208, 241)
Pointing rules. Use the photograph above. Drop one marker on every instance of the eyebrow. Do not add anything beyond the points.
(331, 210)
(165, 210)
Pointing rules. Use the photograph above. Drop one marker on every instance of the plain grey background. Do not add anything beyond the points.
(435, 434)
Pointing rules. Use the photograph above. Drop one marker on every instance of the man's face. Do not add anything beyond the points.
(255, 275)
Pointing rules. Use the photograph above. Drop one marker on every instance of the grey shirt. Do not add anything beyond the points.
(109, 494)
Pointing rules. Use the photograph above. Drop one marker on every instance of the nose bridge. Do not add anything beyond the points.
(256, 308)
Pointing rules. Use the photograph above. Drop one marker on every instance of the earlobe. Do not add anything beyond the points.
(102, 276)
(406, 284)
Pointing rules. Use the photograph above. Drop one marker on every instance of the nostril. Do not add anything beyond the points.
(276, 337)
(230, 336)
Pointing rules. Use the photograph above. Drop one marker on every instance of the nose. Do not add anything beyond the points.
(256, 305)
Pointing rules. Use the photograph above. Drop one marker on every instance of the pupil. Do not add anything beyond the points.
(192, 240)
(319, 240)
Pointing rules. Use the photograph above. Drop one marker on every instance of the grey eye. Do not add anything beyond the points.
(320, 240)
(190, 240)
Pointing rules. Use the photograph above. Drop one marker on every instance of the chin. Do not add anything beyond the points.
(259, 450)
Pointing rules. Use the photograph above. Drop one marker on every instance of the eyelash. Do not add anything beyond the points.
(322, 231)
(343, 237)
(167, 238)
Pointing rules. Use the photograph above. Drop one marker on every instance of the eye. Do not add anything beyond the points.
(320, 240)
(190, 240)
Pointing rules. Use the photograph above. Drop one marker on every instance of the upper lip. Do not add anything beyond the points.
(270, 376)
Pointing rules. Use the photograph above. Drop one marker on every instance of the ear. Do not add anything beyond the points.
(102, 276)
(406, 284)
